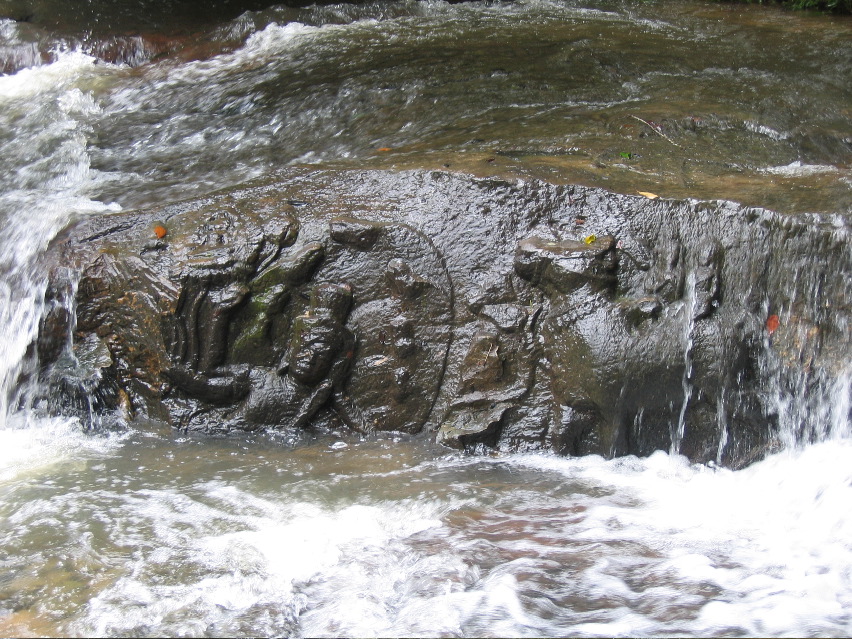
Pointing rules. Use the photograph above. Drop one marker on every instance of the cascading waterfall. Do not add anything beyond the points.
(799, 294)
(723, 426)
(45, 116)
(807, 380)
(688, 311)
(24, 314)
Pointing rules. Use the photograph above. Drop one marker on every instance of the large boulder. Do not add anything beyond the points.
(519, 315)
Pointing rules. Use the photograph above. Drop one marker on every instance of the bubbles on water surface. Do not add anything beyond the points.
(176, 537)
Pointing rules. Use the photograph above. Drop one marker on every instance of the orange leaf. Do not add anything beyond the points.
(772, 323)
(160, 231)
(384, 149)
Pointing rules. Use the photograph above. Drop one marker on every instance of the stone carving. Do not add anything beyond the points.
(262, 329)
(568, 264)
(403, 320)
(612, 361)
(312, 371)
(495, 373)
(498, 314)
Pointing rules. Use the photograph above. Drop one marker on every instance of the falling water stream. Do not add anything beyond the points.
(145, 531)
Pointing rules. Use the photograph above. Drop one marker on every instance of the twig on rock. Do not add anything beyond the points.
(656, 130)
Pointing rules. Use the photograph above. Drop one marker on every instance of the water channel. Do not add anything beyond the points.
(146, 531)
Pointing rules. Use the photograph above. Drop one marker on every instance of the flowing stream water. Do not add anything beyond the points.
(145, 531)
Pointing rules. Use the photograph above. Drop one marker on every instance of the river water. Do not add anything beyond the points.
(145, 531)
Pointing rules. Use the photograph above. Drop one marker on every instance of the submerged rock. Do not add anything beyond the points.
(475, 309)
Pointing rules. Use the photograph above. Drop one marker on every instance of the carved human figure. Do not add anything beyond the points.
(494, 375)
(315, 366)
(312, 371)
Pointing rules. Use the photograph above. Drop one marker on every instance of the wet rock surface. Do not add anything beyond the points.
(519, 315)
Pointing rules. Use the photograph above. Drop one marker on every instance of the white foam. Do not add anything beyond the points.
(774, 537)
(31, 445)
(797, 169)
(275, 37)
(641, 540)
(276, 549)
(262, 46)
(68, 68)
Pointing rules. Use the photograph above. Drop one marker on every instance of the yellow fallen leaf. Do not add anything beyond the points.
(590, 239)
(650, 196)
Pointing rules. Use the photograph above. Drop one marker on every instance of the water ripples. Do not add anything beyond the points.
(142, 540)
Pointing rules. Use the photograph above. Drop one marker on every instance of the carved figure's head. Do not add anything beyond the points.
(331, 300)
(318, 335)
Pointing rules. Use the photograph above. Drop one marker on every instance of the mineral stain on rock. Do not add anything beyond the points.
(387, 301)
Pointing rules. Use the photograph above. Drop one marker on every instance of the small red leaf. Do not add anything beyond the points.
(772, 323)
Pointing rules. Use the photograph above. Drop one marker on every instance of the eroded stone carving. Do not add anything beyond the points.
(457, 305)
(312, 371)
(495, 373)
(568, 264)
(246, 350)
(403, 320)
(612, 361)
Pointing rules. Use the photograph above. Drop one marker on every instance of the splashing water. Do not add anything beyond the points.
(157, 535)
(44, 112)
